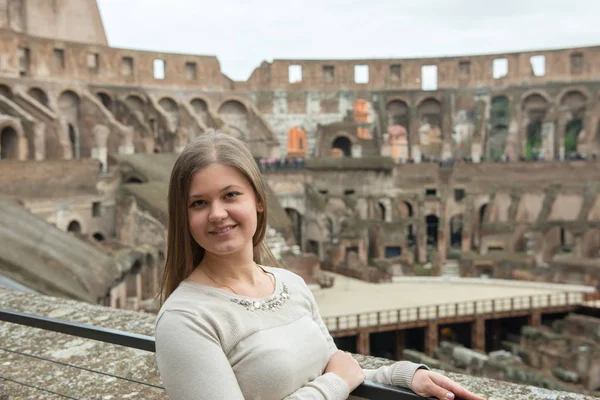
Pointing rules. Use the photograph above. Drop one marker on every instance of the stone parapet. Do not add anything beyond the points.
(136, 365)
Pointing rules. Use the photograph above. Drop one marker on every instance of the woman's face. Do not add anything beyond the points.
(222, 210)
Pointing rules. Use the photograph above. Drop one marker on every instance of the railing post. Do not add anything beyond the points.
(337, 323)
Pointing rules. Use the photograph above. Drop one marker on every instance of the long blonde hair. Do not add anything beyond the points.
(183, 253)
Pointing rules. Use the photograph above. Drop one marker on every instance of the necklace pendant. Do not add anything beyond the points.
(271, 304)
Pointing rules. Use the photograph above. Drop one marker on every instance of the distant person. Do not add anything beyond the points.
(232, 325)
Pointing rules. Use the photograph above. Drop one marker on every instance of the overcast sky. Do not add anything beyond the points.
(243, 33)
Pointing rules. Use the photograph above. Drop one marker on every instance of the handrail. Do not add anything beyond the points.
(371, 319)
(368, 390)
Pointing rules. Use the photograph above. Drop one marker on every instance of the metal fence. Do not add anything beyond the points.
(452, 310)
(368, 390)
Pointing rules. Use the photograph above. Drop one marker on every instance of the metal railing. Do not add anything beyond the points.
(368, 390)
(452, 310)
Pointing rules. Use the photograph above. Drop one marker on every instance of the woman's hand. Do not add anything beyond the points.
(426, 384)
(346, 367)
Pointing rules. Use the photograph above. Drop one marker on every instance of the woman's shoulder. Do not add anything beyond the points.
(286, 275)
(187, 301)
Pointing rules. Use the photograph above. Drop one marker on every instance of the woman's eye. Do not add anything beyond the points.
(197, 203)
(232, 195)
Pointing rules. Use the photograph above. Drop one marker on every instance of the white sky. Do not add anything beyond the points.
(243, 33)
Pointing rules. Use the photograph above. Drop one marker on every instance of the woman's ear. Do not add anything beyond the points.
(259, 207)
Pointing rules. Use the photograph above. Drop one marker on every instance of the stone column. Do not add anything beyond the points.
(422, 244)
(478, 334)
(561, 127)
(99, 152)
(535, 318)
(400, 343)
(431, 337)
(363, 345)
(413, 132)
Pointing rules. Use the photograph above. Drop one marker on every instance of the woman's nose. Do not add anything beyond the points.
(217, 212)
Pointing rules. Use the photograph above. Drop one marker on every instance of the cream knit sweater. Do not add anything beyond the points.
(215, 345)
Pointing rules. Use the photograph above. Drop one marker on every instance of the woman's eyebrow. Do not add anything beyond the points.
(222, 190)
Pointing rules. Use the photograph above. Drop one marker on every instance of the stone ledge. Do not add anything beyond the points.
(130, 363)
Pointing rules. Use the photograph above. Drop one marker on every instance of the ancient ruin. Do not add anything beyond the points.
(483, 166)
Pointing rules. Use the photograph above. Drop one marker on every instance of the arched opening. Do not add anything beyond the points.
(201, 109)
(135, 103)
(456, 230)
(9, 144)
(74, 227)
(234, 114)
(574, 104)
(429, 113)
(105, 100)
(296, 219)
(343, 146)
(168, 104)
(499, 118)
(431, 221)
(535, 107)
(73, 140)
(408, 208)
(398, 122)
(40, 96)
(382, 211)
(99, 237)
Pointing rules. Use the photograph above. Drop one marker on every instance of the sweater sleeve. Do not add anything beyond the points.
(192, 365)
(398, 374)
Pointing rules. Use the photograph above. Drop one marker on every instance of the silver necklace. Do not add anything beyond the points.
(230, 288)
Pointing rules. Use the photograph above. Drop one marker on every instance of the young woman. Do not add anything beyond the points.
(233, 326)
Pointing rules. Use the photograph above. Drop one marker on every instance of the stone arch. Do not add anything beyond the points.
(406, 209)
(429, 114)
(574, 103)
(106, 100)
(169, 105)
(235, 114)
(40, 96)
(533, 93)
(68, 105)
(499, 117)
(135, 102)
(296, 142)
(535, 106)
(6, 91)
(9, 143)
(296, 219)
(74, 226)
(432, 225)
(200, 107)
(384, 209)
(343, 145)
(573, 98)
(398, 124)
